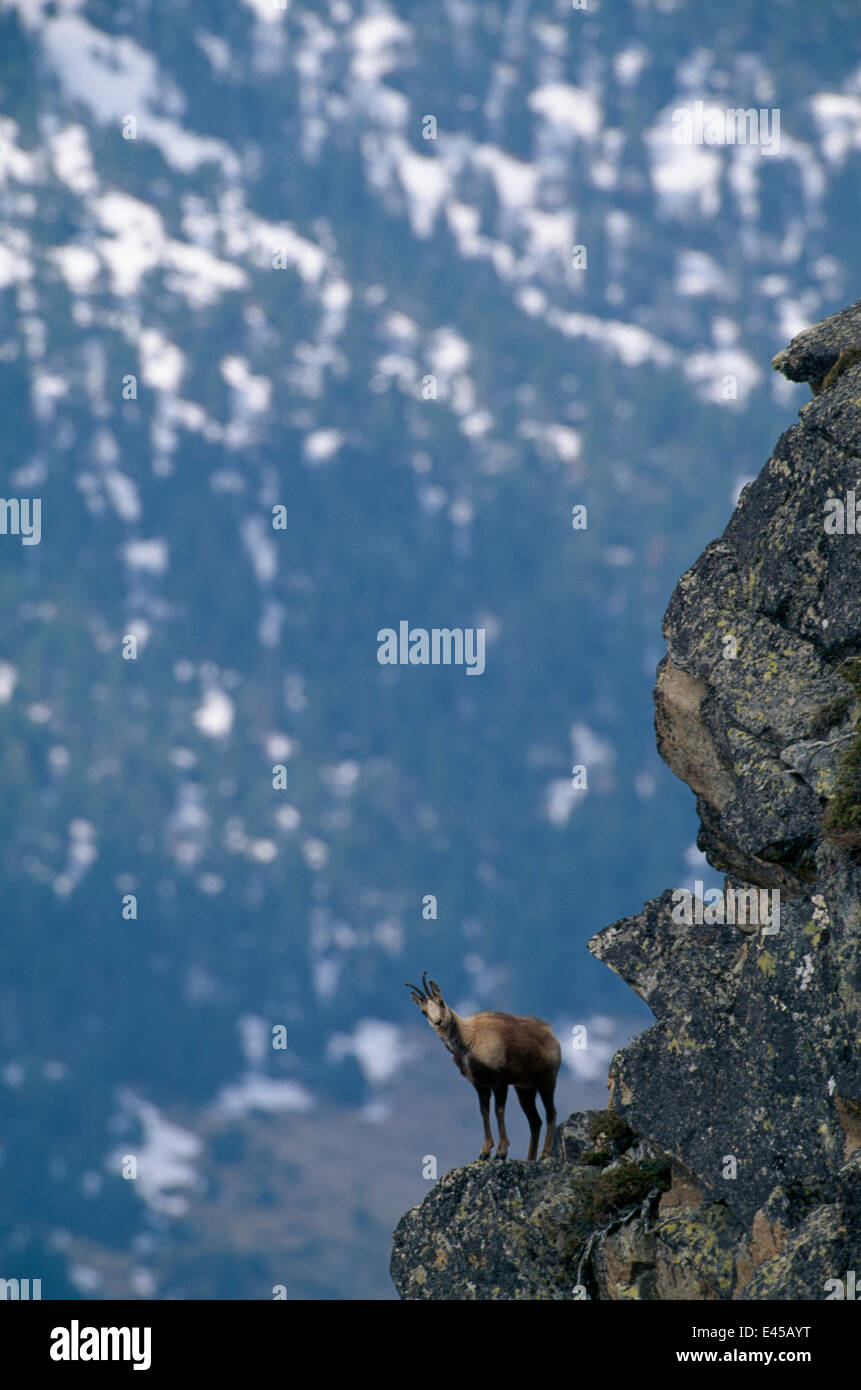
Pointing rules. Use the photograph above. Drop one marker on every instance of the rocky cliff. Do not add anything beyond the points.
(728, 1165)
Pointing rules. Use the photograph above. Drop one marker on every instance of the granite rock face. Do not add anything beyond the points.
(508, 1229)
(736, 1170)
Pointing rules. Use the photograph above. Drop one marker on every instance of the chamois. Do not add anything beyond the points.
(495, 1051)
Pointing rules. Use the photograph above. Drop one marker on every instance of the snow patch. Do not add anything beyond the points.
(258, 1092)
(573, 109)
(214, 717)
(376, 1046)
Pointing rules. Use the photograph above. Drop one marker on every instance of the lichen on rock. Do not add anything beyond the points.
(518, 1230)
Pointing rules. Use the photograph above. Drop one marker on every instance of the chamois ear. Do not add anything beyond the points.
(436, 992)
(416, 993)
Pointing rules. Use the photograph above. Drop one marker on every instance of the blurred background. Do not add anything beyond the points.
(321, 257)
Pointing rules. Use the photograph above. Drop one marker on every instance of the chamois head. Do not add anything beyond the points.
(431, 1002)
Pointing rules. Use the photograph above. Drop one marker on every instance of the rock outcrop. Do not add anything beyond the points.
(729, 1164)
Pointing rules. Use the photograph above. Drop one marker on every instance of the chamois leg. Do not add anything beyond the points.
(484, 1102)
(500, 1095)
(526, 1096)
(546, 1089)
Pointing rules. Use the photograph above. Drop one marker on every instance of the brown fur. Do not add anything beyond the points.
(494, 1051)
